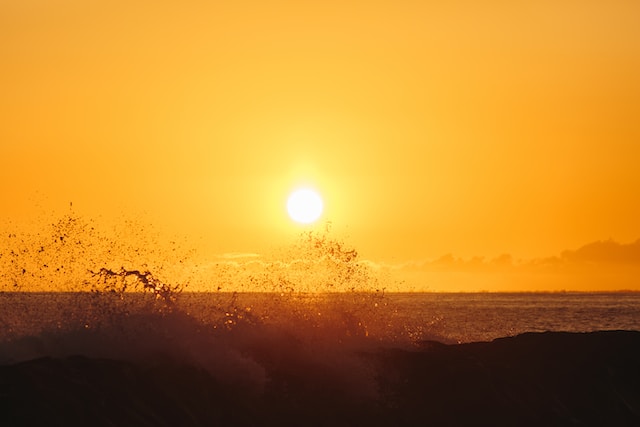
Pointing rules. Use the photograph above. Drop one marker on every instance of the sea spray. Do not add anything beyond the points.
(57, 256)
(305, 311)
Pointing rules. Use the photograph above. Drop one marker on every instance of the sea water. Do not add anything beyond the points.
(466, 317)
(317, 359)
(403, 318)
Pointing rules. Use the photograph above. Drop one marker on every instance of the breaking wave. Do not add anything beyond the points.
(122, 329)
(312, 306)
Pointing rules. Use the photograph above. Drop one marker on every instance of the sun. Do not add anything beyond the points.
(304, 206)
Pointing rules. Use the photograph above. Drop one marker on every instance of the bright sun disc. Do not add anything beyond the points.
(304, 206)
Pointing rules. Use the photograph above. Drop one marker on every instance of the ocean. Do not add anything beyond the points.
(321, 359)
(394, 318)
(401, 317)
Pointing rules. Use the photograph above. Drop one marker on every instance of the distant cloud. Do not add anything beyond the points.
(607, 251)
(449, 262)
(238, 255)
(597, 254)
(602, 265)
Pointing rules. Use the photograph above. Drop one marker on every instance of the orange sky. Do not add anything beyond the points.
(472, 128)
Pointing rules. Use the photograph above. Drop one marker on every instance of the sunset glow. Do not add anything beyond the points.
(447, 136)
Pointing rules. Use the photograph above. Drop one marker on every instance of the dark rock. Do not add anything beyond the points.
(547, 379)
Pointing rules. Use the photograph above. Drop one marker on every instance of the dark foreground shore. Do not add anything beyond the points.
(548, 379)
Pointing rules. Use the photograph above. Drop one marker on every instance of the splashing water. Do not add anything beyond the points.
(311, 307)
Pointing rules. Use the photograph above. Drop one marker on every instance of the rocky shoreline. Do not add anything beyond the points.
(533, 379)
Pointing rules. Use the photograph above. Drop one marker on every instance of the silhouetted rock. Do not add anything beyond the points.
(546, 379)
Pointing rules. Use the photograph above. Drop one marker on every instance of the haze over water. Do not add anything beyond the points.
(316, 282)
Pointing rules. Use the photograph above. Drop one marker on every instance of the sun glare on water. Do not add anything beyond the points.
(304, 206)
